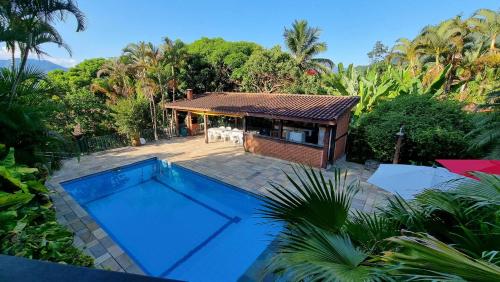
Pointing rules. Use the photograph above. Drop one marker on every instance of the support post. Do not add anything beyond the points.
(189, 123)
(205, 120)
(244, 124)
(281, 130)
(176, 122)
(400, 135)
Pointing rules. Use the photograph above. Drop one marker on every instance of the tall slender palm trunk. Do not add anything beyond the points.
(13, 57)
(24, 59)
(173, 97)
(493, 40)
(163, 114)
(152, 111)
(173, 84)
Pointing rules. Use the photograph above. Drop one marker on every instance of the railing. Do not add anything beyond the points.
(163, 133)
(88, 145)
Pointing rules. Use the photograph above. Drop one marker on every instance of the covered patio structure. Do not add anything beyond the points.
(309, 129)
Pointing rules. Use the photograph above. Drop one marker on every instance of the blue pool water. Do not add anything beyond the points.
(176, 223)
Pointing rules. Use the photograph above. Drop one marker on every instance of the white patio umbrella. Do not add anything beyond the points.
(409, 180)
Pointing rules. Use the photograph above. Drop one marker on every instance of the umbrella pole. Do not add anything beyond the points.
(400, 135)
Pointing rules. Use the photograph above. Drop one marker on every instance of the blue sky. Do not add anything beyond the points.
(350, 28)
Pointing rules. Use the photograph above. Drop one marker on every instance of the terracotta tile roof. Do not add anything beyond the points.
(318, 108)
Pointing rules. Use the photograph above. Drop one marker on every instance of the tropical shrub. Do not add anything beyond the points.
(453, 234)
(465, 219)
(433, 129)
(485, 135)
(28, 226)
(314, 244)
(87, 111)
(131, 115)
(24, 118)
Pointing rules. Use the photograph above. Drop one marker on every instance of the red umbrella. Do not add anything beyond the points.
(463, 167)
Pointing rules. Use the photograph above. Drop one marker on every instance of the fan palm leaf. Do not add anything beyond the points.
(312, 254)
(314, 199)
(485, 192)
(404, 212)
(421, 257)
(371, 230)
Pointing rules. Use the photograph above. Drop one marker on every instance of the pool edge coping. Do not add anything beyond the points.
(69, 213)
(88, 234)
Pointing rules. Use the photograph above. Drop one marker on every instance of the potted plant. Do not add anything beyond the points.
(136, 139)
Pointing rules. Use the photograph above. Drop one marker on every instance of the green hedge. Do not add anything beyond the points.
(433, 129)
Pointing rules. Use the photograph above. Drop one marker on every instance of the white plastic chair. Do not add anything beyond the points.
(240, 138)
(226, 135)
(234, 137)
(217, 134)
(211, 134)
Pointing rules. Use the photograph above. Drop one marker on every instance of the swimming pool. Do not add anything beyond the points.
(174, 222)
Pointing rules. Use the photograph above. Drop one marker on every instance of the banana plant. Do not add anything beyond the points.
(17, 184)
(345, 82)
(372, 88)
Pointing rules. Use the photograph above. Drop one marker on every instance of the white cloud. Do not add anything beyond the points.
(65, 62)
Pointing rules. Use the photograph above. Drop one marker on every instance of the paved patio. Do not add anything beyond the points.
(223, 161)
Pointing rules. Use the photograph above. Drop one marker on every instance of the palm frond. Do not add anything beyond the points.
(421, 257)
(312, 198)
(312, 254)
(404, 212)
(485, 192)
(371, 230)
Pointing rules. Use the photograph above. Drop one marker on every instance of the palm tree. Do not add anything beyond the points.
(302, 41)
(407, 51)
(487, 22)
(28, 24)
(175, 57)
(141, 57)
(114, 80)
(149, 88)
(156, 70)
(434, 41)
(437, 42)
(38, 35)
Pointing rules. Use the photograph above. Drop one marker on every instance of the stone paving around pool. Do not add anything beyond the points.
(223, 161)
